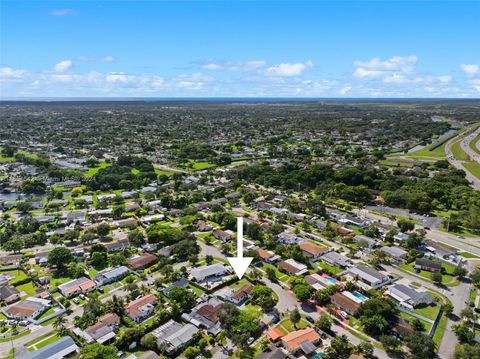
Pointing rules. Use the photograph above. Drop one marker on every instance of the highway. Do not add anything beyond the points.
(473, 155)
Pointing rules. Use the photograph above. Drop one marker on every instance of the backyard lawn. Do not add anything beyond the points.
(329, 268)
(287, 325)
(428, 311)
(447, 273)
(28, 288)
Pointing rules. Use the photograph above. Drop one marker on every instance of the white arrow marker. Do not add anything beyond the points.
(238, 263)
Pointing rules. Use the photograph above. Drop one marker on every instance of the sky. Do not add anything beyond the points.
(262, 48)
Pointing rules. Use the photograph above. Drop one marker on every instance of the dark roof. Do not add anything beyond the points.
(428, 263)
(272, 353)
(64, 345)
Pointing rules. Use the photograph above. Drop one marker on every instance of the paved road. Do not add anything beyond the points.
(458, 295)
(468, 244)
(459, 164)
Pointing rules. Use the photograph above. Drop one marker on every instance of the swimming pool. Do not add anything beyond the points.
(330, 280)
(359, 296)
(318, 356)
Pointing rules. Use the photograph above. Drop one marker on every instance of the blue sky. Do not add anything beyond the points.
(240, 49)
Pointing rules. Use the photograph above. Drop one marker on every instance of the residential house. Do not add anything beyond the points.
(293, 267)
(223, 236)
(344, 303)
(174, 335)
(365, 241)
(239, 296)
(118, 246)
(400, 237)
(267, 256)
(408, 297)
(81, 285)
(104, 329)
(204, 315)
(29, 308)
(272, 352)
(396, 253)
(289, 238)
(12, 259)
(366, 277)
(181, 283)
(313, 251)
(142, 261)
(337, 260)
(148, 355)
(428, 265)
(61, 348)
(203, 226)
(303, 340)
(110, 275)
(9, 294)
(141, 308)
(210, 273)
(126, 223)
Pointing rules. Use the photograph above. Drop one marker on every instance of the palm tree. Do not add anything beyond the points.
(116, 305)
(59, 324)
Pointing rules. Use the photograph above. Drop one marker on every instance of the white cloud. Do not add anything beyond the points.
(470, 69)
(251, 65)
(63, 66)
(108, 59)
(377, 68)
(63, 12)
(11, 73)
(344, 90)
(286, 70)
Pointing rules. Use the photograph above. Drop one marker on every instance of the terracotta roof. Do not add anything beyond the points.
(142, 261)
(293, 340)
(312, 248)
(264, 254)
(345, 303)
(246, 289)
(287, 267)
(133, 308)
(209, 311)
(275, 333)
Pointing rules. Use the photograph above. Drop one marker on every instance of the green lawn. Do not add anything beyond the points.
(409, 318)
(7, 159)
(429, 311)
(331, 269)
(198, 166)
(28, 288)
(49, 312)
(458, 153)
(473, 144)
(287, 325)
(47, 341)
(93, 170)
(22, 334)
(468, 255)
(473, 167)
(438, 335)
(447, 275)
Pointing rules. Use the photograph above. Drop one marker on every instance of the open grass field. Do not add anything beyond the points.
(198, 166)
(93, 170)
(447, 274)
(458, 153)
(473, 144)
(473, 167)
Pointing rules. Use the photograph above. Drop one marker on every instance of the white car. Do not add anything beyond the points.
(344, 314)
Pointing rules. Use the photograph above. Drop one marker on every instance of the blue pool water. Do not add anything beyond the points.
(359, 295)
(330, 280)
(318, 356)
